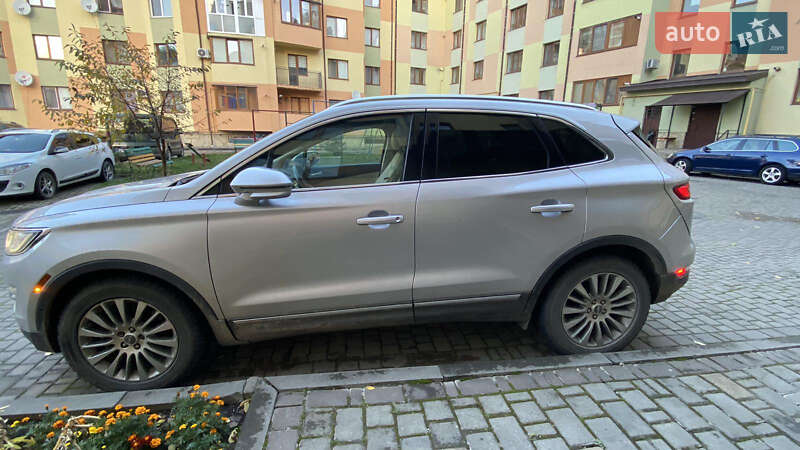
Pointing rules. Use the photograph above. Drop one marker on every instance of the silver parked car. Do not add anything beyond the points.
(374, 212)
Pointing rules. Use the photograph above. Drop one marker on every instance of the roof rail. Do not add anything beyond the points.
(458, 97)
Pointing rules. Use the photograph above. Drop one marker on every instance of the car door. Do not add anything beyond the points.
(496, 207)
(750, 156)
(717, 157)
(61, 158)
(338, 252)
(86, 154)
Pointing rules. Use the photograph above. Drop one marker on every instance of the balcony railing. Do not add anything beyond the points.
(299, 78)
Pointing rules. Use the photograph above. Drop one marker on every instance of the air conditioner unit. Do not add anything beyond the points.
(89, 6)
(651, 64)
(203, 53)
(22, 7)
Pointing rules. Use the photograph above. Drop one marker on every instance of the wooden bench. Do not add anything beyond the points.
(241, 143)
(143, 157)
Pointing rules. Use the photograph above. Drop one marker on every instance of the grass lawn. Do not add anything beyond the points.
(126, 172)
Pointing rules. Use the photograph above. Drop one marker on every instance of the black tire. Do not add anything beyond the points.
(107, 171)
(550, 323)
(772, 174)
(680, 161)
(190, 334)
(45, 186)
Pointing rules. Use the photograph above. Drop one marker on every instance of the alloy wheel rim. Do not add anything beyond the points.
(46, 186)
(127, 339)
(108, 171)
(599, 310)
(771, 174)
(681, 164)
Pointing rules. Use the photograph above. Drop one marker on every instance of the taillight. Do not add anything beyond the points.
(682, 191)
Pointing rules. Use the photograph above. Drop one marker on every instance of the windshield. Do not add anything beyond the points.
(23, 143)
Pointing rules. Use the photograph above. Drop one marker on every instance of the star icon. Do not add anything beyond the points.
(756, 23)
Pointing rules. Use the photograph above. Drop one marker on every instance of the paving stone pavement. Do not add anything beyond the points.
(745, 401)
(743, 286)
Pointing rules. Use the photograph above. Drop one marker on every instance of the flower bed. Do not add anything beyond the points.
(196, 420)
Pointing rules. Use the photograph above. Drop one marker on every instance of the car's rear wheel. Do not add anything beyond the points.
(45, 186)
(599, 305)
(129, 334)
(107, 171)
(684, 164)
(772, 174)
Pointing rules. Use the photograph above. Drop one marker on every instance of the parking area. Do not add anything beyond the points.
(743, 286)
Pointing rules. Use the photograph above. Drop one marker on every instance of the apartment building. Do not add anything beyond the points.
(272, 62)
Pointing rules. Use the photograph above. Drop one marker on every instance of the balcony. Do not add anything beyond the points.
(299, 79)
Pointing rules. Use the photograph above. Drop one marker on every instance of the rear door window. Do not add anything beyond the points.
(574, 147)
(784, 146)
(471, 144)
(754, 145)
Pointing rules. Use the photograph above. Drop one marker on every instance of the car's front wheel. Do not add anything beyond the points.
(107, 171)
(599, 305)
(684, 164)
(129, 334)
(772, 174)
(45, 186)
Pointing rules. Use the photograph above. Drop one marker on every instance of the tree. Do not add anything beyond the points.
(112, 80)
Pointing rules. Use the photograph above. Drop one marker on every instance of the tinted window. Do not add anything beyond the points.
(61, 140)
(756, 144)
(727, 144)
(81, 140)
(487, 144)
(785, 146)
(363, 150)
(23, 143)
(574, 147)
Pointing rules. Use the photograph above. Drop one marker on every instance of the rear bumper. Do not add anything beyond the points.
(668, 285)
(38, 340)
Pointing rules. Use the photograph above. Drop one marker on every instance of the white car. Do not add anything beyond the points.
(41, 161)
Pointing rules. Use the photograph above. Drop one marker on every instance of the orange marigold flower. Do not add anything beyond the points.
(140, 410)
(217, 414)
(131, 437)
(63, 414)
(205, 413)
(58, 424)
(50, 435)
(155, 443)
(25, 419)
(182, 427)
(216, 397)
(191, 395)
(82, 421)
(226, 420)
(16, 422)
(89, 412)
(204, 394)
(203, 425)
(110, 421)
(153, 417)
(102, 413)
(118, 407)
(169, 434)
(196, 387)
(64, 408)
(213, 431)
(46, 406)
(194, 425)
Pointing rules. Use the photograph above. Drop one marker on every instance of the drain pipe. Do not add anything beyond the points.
(394, 45)
(569, 51)
(461, 57)
(503, 49)
(203, 66)
(322, 25)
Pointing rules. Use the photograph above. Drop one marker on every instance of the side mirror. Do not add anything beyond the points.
(58, 150)
(257, 183)
(707, 149)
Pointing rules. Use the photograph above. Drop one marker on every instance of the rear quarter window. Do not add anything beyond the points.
(785, 146)
(574, 147)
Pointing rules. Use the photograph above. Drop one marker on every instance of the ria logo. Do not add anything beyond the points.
(759, 32)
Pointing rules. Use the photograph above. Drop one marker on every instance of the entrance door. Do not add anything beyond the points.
(702, 125)
(298, 66)
(652, 118)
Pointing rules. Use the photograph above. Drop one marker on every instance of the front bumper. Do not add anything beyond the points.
(19, 183)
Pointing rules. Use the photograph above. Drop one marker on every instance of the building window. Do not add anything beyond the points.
(609, 36)
(459, 6)
(372, 37)
(116, 52)
(551, 54)
(457, 35)
(372, 3)
(6, 100)
(56, 98)
(173, 101)
(232, 17)
(477, 70)
(690, 6)
(109, 6)
(336, 27)
(480, 31)
(2, 47)
(161, 8)
(455, 75)
(166, 54)
(43, 3)
(796, 99)
(514, 63)
(233, 98)
(48, 47)
(337, 69)
(372, 75)
(298, 65)
(420, 6)
(294, 104)
(546, 95)
(555, 8)
(419, 40)
(743, 2)
(518, 16)
(603, 91)
(232, 51)
(733, 62)
(301, 12)
(417, 75)
(680, 65)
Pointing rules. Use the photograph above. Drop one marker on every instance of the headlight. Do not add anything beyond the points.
(13, 168)
(18, 241)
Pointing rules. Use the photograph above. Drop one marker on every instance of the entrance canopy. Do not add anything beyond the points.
(701, 98)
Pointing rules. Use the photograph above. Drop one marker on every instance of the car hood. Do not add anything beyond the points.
(11, 158)
(148, 191)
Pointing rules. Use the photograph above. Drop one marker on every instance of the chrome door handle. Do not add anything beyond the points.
(563, 207)
(380, 220)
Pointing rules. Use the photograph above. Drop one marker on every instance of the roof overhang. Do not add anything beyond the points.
(697, 81)
(701, 98)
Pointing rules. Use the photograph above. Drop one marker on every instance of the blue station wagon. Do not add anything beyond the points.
(772, 159)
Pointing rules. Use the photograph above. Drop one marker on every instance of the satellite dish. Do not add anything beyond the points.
(22, 7)
(23, 78)
(89, 6)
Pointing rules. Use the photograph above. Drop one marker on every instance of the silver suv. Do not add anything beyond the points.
(375, 212)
